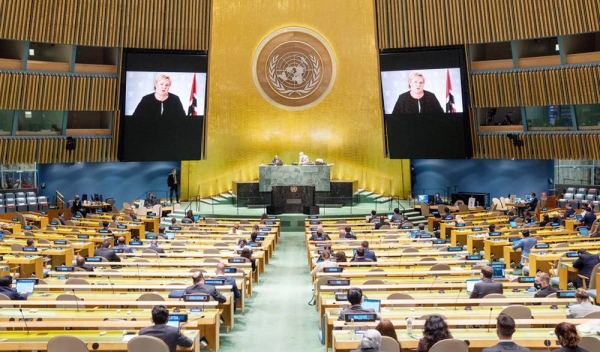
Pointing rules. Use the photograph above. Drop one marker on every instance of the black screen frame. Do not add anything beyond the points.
(451, 137)
(186, 140)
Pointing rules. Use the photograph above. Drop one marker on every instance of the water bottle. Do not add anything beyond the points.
(409, 326)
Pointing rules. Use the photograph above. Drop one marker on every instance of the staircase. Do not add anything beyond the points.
(366, 196)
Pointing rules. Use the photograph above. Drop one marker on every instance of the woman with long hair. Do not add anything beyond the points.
(435, 330)
(568, 338)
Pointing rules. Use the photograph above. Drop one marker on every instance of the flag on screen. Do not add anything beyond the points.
(449, 96)
(193, 101)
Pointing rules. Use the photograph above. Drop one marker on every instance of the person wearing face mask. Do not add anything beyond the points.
(542, 284)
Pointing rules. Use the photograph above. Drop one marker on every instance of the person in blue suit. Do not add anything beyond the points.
(526, 243)
(588, 219)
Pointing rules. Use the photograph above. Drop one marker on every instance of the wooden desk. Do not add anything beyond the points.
(110, 341)
(206, 322)
(29, 265)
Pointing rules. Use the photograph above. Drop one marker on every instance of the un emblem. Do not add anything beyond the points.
(294, 68)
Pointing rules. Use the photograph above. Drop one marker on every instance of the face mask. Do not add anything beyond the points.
(537, 285)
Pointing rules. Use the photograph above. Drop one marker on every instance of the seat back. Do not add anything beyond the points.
(398, 296)
(147, 343)
(592, 315)
(388, 344)
(592, 285)
(66, 343)
(571, 190)
(4, 297)
(518, 312)
(492, 296)
(589, 343)
(450, 345)
(440, 266)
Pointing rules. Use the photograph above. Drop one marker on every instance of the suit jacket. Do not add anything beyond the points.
(503, 346)
(571, 349)
(350, 235)
(12, 293)
(208, 289)
(86, 268)
(526, 243)
(234, 288)
(548, 290)
(370, 255)
(108, 254)
(533, 204)
(485, 287)
(169, 334)
(569, 212)
(586, 263)
(588, 219)
(171, 180)
(582, 309)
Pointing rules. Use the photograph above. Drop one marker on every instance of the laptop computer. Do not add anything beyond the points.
(174, 323)
(578, 217)
(375, 304)
(583, 231)
(513, 224)
(170, 235)
(26, 285)
(471, 284)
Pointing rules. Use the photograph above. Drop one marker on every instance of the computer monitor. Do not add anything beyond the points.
(423, 198)
(498, 271)
(513, 224)
(170, 235)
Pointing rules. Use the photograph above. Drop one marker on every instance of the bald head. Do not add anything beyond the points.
(220, 270)
(121, 240)
(80, 261)
(342, 233)
(197, 277)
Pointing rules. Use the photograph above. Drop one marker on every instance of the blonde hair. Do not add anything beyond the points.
(162, 76)
(413, 75)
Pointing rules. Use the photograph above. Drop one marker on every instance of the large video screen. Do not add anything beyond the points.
(424, 93)
(163, 102)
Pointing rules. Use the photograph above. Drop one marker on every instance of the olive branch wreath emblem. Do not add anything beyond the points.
(306, 89)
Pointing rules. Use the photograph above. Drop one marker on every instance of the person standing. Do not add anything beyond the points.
(173, 182)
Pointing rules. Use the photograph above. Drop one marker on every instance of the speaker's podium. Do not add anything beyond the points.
(293, 187)
(292, 199)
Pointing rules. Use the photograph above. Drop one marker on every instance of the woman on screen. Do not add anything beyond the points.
(161, 103)
(417, 100)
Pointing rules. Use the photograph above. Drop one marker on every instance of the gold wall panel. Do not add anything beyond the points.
(244, 130)
(414, 23)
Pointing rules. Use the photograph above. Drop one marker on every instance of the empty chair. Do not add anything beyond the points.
(212, 260)
(589, 343)
(140, 260)
(492, 296)
(439, 267)
(21, 204)
(68, 297)
(568, 196)
(4, 297)
(148, 250)
(32, 204)
(592, 315)
(388, 344)
(399, 296)
(426, 316)
(147, 343)
(590, 198)
(66, 343)
(450, 345)
(411, 250)
(150, 297)
(10, 205)
(374, 282)
(212, 251)
(16, 247)
(571, 190)
(211, 221)
(518, 312)
(77, 281)
(428, 259)
(582, 190)
(2, 207)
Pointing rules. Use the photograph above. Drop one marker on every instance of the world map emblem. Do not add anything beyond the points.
(294, 68)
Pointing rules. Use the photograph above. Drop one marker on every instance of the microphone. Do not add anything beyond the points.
(432, 283)
(24, 320)
(412, 275)
(457, 296)
(76, 299)
(138, 270)
(547, 343)
(111, 285)
(490, 319)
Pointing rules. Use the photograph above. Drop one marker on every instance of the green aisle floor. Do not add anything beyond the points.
(278, 317)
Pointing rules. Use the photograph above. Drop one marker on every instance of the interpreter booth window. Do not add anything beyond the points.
(11, 54)
(89, 122)
(40, 122)
(6, 122)
(502, 119)
(18, 176)
(549, 118)
(49, 57)
(588, 116)
(577, 172)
